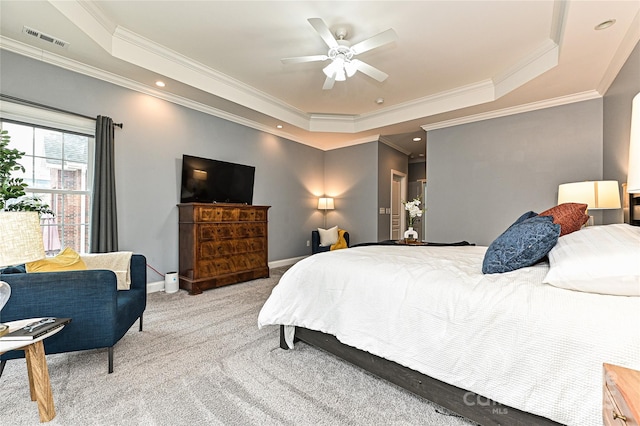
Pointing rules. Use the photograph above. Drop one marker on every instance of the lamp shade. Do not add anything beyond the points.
(603, 194)
(633, 173)
(20, 238)
(325, 203)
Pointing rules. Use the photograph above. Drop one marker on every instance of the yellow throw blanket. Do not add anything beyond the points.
(341, 243)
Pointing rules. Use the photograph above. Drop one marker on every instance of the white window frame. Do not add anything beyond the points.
(38, 117)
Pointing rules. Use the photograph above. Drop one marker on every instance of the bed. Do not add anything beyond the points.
(520, 347)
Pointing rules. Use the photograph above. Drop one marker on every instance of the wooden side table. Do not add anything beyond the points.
(39, 383)
(621, 396)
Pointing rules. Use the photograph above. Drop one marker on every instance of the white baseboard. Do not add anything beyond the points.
(285, 262)
(159, 285)
(155, 287)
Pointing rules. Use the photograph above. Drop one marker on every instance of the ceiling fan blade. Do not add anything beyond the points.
(367, 69)
(324, 31)
(301, 59)
(329, 82)
(375, 41)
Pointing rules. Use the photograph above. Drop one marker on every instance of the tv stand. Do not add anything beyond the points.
(221, 244)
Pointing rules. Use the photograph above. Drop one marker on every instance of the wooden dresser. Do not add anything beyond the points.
(621, 396)
(221, 244)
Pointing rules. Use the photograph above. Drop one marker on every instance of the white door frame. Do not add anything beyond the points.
(402, 177)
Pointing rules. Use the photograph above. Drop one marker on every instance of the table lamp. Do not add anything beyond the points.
(20, 242)
(325, 203)
(597, 195)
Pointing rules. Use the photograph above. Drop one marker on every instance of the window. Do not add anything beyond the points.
(58, 169)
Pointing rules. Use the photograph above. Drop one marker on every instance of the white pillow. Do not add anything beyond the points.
(598, 259)
(329, 236)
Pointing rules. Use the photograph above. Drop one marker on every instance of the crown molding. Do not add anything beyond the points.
(387, 142)
(41, 55)
(533, 106)
(629, 42)
(460, 97)
(544, 58)
(352, 142)
(74, 66)
(135, 49)
(147, 54)
(88, 18)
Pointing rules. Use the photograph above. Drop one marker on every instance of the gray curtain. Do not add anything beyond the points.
(104, 223)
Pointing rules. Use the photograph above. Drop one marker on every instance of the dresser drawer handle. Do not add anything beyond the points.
(619, 416)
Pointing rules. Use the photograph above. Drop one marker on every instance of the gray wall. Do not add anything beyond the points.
(351, 178)
(481, 176)
(617, 125)
(417, 171)
(156, 133)
(388, 159)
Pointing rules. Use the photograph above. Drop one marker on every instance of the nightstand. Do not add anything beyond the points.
(621, 396)
(37, 370)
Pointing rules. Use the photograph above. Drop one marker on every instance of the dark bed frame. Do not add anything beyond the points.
(464, 403)
(460, 401)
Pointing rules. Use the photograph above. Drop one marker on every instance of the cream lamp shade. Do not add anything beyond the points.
(603, 194)
(633, 173)
(326, 203)
(20, 238)
(20, 242)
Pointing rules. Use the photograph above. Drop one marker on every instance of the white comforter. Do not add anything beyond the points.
(507, 337)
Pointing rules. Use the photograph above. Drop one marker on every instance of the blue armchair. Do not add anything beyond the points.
(315, 242)
(100, 314)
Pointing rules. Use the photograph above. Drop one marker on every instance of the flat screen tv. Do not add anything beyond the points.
(214, 181)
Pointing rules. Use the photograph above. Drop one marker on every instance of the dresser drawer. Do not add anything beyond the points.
(211, 249)
(253, 215)
(213, 267)
(226, 214)
(247, 245)
(227, 231)
(217, 214)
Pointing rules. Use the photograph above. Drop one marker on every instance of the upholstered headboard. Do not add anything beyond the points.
(632, 206)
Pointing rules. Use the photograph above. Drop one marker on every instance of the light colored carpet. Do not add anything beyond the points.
(201, 360)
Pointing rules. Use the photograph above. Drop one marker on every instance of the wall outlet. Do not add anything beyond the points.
(308, 243)
(381, 210)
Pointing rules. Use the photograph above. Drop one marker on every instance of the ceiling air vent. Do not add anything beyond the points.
(45, 37)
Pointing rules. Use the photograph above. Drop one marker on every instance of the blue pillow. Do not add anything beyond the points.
(20, 269)
(525, 216)
(523, 244)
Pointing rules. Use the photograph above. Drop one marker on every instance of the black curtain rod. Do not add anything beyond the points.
(50, 108)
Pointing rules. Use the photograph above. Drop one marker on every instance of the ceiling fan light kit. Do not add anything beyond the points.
(341, 54)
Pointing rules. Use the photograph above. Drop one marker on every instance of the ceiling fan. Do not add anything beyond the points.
(343, 64)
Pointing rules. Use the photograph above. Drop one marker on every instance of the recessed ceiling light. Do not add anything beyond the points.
(279, 126)
(160, 83)
(604, 25)
(417, 139)
(380, 101)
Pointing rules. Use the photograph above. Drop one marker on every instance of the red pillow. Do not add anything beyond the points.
(570, 216)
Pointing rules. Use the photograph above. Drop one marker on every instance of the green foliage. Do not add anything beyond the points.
(12, 190)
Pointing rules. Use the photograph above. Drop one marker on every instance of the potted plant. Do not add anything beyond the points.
(12, 189)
